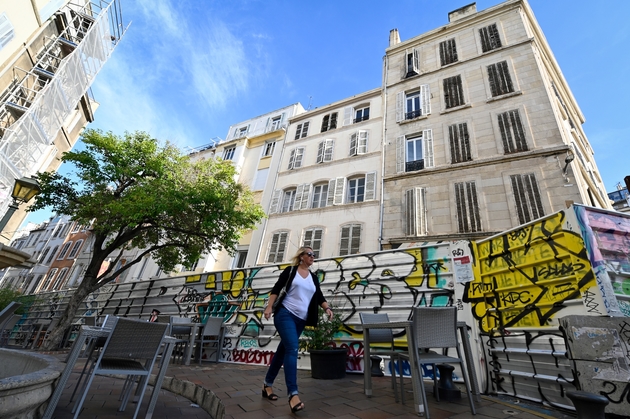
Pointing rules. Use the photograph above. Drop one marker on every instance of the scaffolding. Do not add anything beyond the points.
(34, 107)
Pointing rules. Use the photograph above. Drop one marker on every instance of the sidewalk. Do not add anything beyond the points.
(239, 387)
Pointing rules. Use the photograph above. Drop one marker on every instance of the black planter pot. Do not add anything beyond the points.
(328, 364)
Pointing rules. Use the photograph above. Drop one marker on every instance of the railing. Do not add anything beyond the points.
(413, 114)
(412, 166)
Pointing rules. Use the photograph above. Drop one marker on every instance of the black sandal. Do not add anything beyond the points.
(297, 407)
(271, 396)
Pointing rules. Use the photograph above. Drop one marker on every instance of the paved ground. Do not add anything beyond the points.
(239, 388)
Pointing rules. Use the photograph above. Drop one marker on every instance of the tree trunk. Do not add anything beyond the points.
(56, 335)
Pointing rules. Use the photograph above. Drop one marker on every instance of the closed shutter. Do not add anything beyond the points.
(425, 99)
(306, 196)
(363, 142)
(370, 186)
(330, 199)
(329, 146)
(400, 154)
(348, 112)
(299, 192)
(416, 61)
(400, 106)
(427, 147)
(409, 215)
(320, 151)
(299, 154)
(339, 191)
(268, 125)
(353, 144)
(275, 201)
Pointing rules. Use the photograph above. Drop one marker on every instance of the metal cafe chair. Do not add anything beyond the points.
(434, 328)
(182, 334)
(212, 333)
(131, 350)
(6, 330)
(383, 336)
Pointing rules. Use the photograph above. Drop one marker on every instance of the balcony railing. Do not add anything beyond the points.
(412, 166)
(413, 114)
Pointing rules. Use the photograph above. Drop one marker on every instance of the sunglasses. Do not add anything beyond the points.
(310, 254)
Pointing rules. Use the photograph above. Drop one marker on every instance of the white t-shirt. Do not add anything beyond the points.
(299, 296)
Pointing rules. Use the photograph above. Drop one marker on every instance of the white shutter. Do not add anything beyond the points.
(305, 129)
(299, 154)
(400, 106)
(299, 192)
(353, 144)
(347, 115)
(403, 67)
(416, 61)
(308, 238)
(329, 145)
(421, 211)
(331, 189)
(427, 147)
(425, 99)
(268, 124)
(320, 151)
(409, 216)
(292, 159)
(306, 197)
(340, 189)
(363, 142)
(400, 154)
(283, 120)
(370, 186)
(6, 30)
(275, 200)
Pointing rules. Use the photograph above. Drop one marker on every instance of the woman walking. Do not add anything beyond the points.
(297, 308)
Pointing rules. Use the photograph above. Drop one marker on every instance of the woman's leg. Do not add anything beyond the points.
(290, 328)
(276, 364)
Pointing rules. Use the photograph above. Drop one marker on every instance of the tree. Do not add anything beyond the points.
(136, 193)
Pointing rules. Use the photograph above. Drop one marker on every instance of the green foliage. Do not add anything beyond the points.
(8, 294)
(136, 193)
(322, 336)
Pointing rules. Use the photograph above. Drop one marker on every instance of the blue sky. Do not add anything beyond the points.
(186, 70)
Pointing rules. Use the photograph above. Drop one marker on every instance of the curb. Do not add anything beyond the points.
(199, 395)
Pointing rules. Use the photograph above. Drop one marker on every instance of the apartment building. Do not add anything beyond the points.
(327, 192)
(50, 53)
(483, 133)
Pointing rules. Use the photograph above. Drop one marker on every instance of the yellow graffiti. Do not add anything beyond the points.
(211, 281)
(193, 278)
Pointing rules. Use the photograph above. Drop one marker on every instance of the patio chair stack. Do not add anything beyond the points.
(131, 349)
(212, 333)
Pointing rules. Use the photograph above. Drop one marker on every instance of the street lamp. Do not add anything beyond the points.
(23, 191)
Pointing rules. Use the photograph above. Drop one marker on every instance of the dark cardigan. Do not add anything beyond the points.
(316, 301)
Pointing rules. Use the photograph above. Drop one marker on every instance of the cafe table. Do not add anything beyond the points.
(415, 381)
(88, 333)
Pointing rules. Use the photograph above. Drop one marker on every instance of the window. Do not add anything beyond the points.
(320, 196)
(350, 239)
(468, 219)
(448, 52)
(410, 105)
(313, 239)
(228, 153)
(329, 122)
(512, 132)
(460, 143)
(275, 123)
(295, 158)
(43, 255)
(277, 247)
(59, 282)
(358, 142)
(240, 132)
(52, 254)
(325, 151)
(356, 190)
(527, 195)
(261, 179)
(288, 200)
(453, 92)
(414, 152)
(239, 259)
(415, 212)
(75, 249)
(302, 194)
(64, 250)
(490, 38)
(499, 79)
(302, 130)
(6, 30)
(411, 63)
(362, 114)
(268, 148)
(48, 279)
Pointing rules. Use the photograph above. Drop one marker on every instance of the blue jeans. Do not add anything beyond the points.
(289, 328)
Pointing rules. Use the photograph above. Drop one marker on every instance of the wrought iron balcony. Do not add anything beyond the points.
(413, 114)
(412, 166)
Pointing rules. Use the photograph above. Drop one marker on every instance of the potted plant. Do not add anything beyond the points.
(327, 361)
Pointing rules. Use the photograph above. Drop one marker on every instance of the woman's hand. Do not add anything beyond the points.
(269, 308)
(329, 311)
(267, 312)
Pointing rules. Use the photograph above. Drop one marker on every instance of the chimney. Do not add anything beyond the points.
(462, 12)
(394, 37)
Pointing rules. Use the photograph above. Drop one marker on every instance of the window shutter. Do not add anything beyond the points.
(409, 219)
(416, 60)
(268, 124)
(427, 147)
(345, 241)
(320, 151)
(299, 154)
(292, 159)
(308, 238)
(331, 189)
(306, 196)
(425, 99)
(348, 111)
(403, 67)
(355, 238)
(6, 30)
(339, 191)
(400, 154)
(305, 129)
(283, 119)
(400, 106)
(299, 192)
(353, 144)
(328, 149)
(275, 200)
(363, 141)
(370, 186)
